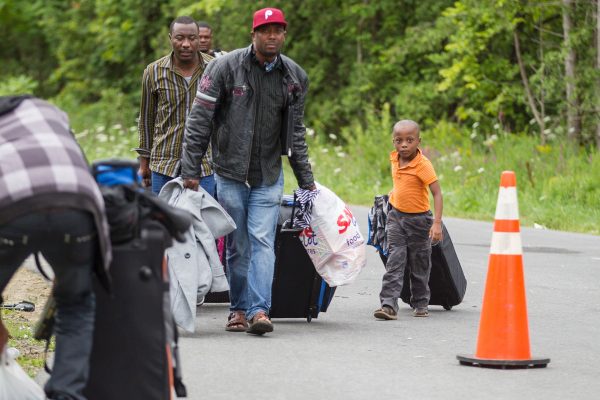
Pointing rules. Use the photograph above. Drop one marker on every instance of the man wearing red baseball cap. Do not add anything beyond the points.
(250, 106)
(268, 16)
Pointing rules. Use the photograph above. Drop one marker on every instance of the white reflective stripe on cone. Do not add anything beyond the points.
(506, 243)
(507, 206)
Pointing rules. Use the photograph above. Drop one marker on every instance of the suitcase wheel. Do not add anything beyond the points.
(447, 307)
(309, 318)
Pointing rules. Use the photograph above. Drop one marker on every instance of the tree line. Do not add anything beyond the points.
(518, 66)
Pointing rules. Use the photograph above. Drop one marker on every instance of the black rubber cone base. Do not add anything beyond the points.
(502, 364)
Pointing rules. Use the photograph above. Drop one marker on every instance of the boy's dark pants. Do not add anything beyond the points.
(67, 240)
(409, 243)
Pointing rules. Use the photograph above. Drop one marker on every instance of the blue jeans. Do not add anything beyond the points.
(250, 248)
(67, 241)
(159, 180)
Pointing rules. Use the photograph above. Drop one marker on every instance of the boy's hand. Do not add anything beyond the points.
(435, 233)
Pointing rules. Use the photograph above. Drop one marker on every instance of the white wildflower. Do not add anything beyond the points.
(324, 150)
(496, 126)
(475, 125)
(532, 121)
(116, 127)
(473, 135)
(480, 170)
(337, 170)
(310, 131)
(101, 137)
(332, 136)
(546, 118)
(341, 154)
(100, 128)
(489, 142)
(457, 168)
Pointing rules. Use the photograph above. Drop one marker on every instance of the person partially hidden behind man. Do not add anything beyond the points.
(250, 102)
(205, 36)
(51, 204)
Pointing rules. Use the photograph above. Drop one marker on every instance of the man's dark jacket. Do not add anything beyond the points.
(225, 109)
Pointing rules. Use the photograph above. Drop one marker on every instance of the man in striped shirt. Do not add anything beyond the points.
(168, 90)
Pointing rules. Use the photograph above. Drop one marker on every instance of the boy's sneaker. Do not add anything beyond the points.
(421, 312)
(260, 324)
(386, 313)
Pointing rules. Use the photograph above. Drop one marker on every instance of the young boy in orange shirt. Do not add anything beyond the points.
(410, 224)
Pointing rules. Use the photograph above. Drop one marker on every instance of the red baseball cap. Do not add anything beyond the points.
(268, 16)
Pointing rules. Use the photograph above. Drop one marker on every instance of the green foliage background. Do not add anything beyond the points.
(450, 65)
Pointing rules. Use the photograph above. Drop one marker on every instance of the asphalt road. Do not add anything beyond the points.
(347, 354)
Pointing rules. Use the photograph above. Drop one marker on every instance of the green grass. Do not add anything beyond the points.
(31, 357)
(558, 186)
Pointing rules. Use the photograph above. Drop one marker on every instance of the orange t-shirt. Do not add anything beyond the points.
(411, 182)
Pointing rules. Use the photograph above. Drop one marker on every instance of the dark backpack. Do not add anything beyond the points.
(9, 103)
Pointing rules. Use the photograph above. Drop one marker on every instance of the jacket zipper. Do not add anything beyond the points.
(253, 132)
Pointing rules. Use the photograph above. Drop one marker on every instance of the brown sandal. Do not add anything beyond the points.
(260, 324)
(385, 313)
(236, 322)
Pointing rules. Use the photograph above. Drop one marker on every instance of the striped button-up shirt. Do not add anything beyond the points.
(167, 98)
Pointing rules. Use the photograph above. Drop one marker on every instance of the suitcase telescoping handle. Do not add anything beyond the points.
(285, 227)
(293, 210)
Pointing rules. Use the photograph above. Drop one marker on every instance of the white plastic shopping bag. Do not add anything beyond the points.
(15, 384)
(333, 241)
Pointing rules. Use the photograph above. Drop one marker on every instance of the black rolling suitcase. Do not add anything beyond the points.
(134, 352)
(216, 297)
(134, 332)
(447, 281)
(298, 290)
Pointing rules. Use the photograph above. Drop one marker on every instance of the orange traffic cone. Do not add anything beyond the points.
(503, 340)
